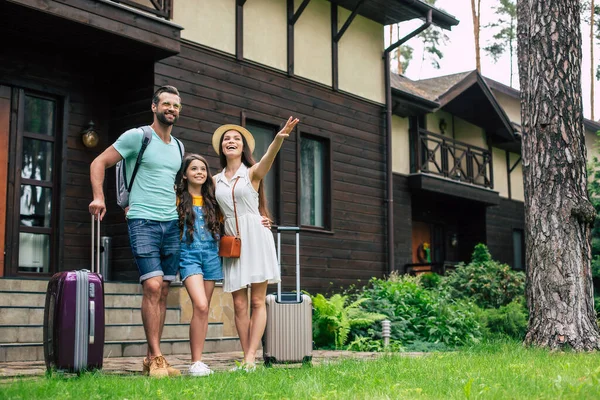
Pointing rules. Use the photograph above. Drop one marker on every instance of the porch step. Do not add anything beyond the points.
(113, 332)
(113, 315)
(23, 298)
(40, 285)
(130, 348)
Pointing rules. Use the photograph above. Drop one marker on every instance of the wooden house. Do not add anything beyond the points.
(458, 177)
(248, 62)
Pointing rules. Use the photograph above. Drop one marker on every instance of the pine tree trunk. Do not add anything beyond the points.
(475, 11)
(592, 77)
(558, 213)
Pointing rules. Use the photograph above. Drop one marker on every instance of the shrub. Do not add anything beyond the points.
(361, 343)
(488, 283)
(509, 320)
(430, 280)
(418, 314)
(333, 319)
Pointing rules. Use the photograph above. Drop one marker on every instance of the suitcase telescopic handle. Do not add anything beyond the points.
(95, 245)
(289, 229)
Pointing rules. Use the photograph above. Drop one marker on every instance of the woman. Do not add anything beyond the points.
(257, 265)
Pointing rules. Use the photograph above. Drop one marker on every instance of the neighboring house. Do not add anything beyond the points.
(254, 63)
(458, 177)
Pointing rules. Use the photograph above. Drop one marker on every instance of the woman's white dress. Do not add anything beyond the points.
(258, 258)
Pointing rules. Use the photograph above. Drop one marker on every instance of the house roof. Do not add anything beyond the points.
(465, 95)
(388, 12)
(514, 93)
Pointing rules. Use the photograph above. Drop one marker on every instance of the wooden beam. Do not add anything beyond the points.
(294, 17)
(508, 174)
(346, 25)
(334, 48)
(239, 30)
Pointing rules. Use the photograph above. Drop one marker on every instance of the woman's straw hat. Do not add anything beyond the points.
(216, 139)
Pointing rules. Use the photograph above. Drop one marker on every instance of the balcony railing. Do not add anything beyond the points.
(440, 155)
(160, 8)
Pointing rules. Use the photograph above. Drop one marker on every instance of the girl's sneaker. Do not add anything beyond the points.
(199, 369)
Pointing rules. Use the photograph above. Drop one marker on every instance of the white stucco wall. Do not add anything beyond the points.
(312, 42)
(265, 33)
(400, 145)
(360, 57)
(207, 22)
(500, 172)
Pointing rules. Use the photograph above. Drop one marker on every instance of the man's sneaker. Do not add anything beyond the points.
(199, 369)
(172, 371)
(157, 368)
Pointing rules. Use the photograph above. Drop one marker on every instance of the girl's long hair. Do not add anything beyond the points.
(248, 160)
(185, 208)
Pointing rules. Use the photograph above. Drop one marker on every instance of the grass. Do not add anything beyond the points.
(491, 371)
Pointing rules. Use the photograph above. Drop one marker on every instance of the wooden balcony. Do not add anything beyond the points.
(443, 156)
(159, 8)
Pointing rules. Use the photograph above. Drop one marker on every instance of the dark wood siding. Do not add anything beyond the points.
(216, 89)
(501, 221)
(402, 222)
(113, 92)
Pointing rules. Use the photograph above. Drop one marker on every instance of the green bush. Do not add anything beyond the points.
(418, 314)
(361, 343)
(334, 317)
(430, 280)
(486, 282)
(509, 321)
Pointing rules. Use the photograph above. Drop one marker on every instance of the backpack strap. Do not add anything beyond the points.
(181, 147)
(146, 139)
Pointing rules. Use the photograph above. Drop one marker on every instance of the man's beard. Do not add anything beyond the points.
(163, 119)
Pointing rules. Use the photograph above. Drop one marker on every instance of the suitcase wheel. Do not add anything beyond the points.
(269, 361)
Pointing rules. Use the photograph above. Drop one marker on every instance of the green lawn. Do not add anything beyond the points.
(492, 371)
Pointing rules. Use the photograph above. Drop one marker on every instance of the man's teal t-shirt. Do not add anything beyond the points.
(153, 194)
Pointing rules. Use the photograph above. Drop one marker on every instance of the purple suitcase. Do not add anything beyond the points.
(74, 317)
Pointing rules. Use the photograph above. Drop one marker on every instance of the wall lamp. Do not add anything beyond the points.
(443, 126)
(89, 136)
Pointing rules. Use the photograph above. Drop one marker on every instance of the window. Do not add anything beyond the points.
(518, 249)
(314, 182)
(34, 203)
(263, 136)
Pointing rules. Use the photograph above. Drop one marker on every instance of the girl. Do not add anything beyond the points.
(257, 265)
(200, 265)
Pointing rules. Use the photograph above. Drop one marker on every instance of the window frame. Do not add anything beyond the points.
(276, 209)
(17, 135)
(328, 182)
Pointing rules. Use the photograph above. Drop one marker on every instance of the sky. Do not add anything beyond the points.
(459, 53)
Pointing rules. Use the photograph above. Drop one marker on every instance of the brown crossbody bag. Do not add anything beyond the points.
(231, 246)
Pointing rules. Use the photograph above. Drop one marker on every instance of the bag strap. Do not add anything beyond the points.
(145, 142)
(237, 228)
(181, 147)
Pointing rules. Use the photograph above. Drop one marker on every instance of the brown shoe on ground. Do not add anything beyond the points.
(155, 368)
(172, 371)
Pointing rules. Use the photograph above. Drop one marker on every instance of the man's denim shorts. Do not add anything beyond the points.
(155, 247)
(201, 258)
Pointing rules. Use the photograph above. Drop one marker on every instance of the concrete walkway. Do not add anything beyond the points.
(216, 361)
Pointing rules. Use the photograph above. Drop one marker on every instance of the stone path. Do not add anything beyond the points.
(133, 365)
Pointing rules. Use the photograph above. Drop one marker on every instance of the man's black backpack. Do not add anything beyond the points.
(123, 189)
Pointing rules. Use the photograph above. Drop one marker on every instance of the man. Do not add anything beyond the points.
(151, 217)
